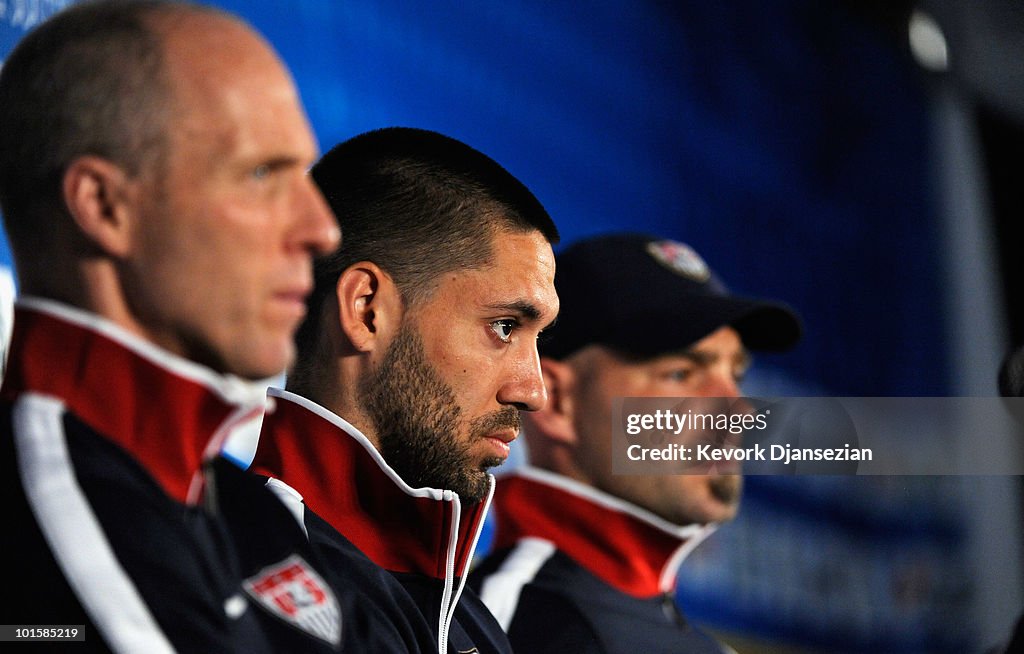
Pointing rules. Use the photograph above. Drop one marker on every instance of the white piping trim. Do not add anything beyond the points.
(501, 590)
(480, 526)
(667, 580)
(693, 535)
(291, 499)
(230, 388)
(464, 573)
(244, 422)
(341, 423)
(608, 501)
(447, 605)
(73, 532)
(450, 595)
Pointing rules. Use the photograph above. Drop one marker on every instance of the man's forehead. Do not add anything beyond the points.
(206, 51)
(239, 100)
(515, 247)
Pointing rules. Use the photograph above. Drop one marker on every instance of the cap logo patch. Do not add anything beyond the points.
(680, 259)
(295, 593)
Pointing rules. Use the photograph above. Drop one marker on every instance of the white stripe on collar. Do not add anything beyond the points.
(230, 388)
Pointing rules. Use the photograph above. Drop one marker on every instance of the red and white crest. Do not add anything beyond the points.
(680, 259)
(294, 592)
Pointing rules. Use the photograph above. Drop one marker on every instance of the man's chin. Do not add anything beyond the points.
(477, 486)
(491, 462)
(726, 489)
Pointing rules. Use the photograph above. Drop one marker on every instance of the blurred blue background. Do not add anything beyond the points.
(788, 145)
(811, 154)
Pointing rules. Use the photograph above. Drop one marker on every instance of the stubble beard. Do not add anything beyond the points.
(417, 418)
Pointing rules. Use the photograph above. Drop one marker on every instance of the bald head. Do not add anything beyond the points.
(155, 174)
(214, 66)
(91, 80)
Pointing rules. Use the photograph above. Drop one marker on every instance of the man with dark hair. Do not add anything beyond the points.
(153, 185)
(586, 560)
(418, 352)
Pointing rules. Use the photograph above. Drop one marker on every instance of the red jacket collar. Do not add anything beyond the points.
(167, 412)
(343, 478)
(627, 547)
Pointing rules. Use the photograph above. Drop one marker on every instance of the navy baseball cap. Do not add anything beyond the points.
(647, 296)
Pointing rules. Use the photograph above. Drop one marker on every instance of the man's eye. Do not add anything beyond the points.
(261, 172)
(679, 374)
(504, 328)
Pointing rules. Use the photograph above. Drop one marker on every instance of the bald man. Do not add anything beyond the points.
(154, 190)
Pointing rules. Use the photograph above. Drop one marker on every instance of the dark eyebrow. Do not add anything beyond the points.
(282, 161)
(525, 310)
(275, 163)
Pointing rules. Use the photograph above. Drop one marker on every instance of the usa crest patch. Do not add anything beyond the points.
(680, 259)
(294, 592)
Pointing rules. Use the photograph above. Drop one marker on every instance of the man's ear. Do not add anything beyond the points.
(103, 202)
(555, 420)
(369, 306)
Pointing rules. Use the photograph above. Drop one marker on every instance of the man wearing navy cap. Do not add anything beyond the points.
(585, 560)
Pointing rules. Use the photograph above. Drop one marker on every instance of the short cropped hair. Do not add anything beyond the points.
(88, 81)
(418, 204)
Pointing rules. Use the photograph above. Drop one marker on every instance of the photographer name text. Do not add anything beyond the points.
(711, 453)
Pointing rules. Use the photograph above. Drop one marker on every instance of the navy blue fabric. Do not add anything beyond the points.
(176, 556)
